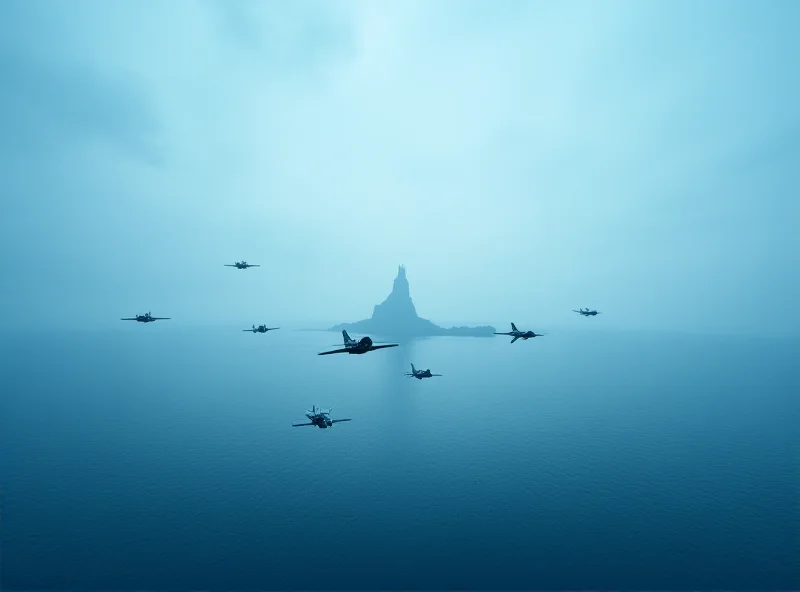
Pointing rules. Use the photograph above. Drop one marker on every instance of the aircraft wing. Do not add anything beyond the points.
(248, 265)
(338, 420)
(273, 328)
(132, 319)
(513, 340)
(502, 333)
(160, 318)
(297, 425)
(335, 351)
(382, 346)
(229, 265)
(437, 375)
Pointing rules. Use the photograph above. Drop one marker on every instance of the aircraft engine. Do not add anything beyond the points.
(365, 341)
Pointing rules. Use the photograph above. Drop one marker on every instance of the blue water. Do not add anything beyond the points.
(163, 457)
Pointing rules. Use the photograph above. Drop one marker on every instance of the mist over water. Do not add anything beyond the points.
(521, 160)
(145, 457)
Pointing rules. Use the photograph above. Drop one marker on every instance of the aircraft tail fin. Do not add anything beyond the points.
(346, 337)
(413, 369)
(514, 327)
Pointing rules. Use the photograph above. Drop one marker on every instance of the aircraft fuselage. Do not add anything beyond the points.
(321, 422)
(520, 334)
(362, 346)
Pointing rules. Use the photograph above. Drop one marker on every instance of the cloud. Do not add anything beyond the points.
(51, 106)
(622, 153)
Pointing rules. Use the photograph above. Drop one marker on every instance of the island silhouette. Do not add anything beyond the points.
(397, 317)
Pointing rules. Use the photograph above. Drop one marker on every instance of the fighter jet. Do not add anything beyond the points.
(145, 318)
(420, 374)
(241, 265)
(362, 346)
(261, 329)
(587, 312)
(318, 417)
(517, 334)
(348, 341)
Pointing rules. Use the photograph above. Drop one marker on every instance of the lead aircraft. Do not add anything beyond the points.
(351, 346)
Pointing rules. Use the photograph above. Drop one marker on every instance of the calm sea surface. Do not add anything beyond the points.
(158, 457)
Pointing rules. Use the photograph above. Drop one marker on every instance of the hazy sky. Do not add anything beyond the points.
(520, 158)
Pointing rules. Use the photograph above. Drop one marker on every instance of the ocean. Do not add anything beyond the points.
(155, 457)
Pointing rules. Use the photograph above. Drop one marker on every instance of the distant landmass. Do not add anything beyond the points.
(397, 316)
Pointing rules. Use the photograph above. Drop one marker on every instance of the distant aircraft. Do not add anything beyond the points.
(145, 318)
(587, 312)
(261, 329)
(420, 374)
(319, 418)
(517, 334)
(362, 346)
(241, 265)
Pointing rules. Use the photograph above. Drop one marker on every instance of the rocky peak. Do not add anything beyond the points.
(400, 288)
(398, 304)
(397, 316)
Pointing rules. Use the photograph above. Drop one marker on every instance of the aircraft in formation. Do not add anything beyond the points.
(319, 418)
(420, 374)
(145, 318)
(517, 334)
(348, 341)
(261, 329)
(362, 346)
(241, 265)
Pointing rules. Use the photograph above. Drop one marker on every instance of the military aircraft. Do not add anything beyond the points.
(517, 334)
(362, 346)
(318, 417)
(350, 342)
(145, 318)
(261, 329)
(587, 312)
(241, 265)
(420, 374)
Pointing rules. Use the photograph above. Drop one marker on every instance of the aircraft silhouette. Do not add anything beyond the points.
(587, 312)
(145, 318)
(318, 417)
(420, 374)
(261, 329)
(517, 334)
(350, 342)
(351, 346)
(241, 265)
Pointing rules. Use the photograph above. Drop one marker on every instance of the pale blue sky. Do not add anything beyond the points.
(520, 158)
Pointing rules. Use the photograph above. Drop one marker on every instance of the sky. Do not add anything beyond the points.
(521, 159)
